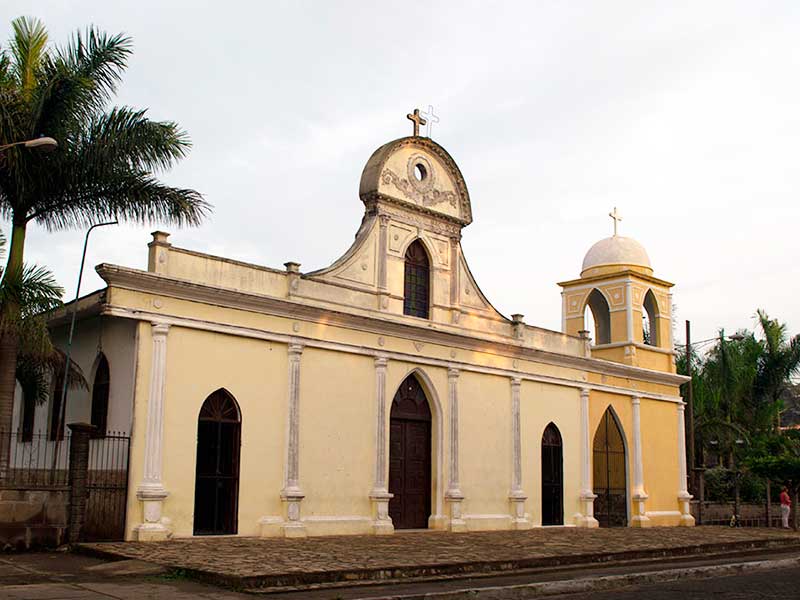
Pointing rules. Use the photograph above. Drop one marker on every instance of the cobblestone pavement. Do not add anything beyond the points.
(254, 557)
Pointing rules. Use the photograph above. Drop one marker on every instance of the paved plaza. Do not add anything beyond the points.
(276, 562)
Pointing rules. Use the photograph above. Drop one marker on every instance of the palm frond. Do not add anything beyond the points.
(27, 48)
(35, 375)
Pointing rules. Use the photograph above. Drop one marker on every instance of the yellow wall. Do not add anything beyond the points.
(541, 404)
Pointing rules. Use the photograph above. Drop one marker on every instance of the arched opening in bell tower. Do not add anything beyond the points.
(599, 326)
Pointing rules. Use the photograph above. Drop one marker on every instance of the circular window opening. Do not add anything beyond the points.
(420, 172)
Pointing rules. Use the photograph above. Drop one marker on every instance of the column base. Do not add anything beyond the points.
(382, 522)
(640, 518)
(586, 518)
(294, 529)
(292, 526)
(152, 532)
(586, 522)
(687, 520)
(457, 523)
(519, 519)
(154, 528)
(438, 522)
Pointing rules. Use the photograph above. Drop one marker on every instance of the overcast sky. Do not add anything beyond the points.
(684, 115)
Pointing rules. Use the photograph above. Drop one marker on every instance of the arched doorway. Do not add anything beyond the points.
(552, 477)
(216, 492)
(410, 457)
(610, 479)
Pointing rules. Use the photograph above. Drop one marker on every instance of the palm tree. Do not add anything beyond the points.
(779, 361)
(105, 162)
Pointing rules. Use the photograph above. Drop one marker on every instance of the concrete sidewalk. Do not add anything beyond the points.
(290, 564)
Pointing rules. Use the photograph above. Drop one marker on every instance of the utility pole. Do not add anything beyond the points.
(690, 408)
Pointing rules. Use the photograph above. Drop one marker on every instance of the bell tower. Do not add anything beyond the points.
(630, 308)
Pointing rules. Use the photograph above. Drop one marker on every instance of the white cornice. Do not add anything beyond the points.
(248, 332)
(152, 283)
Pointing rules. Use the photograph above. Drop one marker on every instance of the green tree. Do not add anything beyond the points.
(778, 363)
(35, 292)
(105, 164)
(776, 457)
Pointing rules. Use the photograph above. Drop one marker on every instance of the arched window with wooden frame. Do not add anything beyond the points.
(416, 292)
(100, 392)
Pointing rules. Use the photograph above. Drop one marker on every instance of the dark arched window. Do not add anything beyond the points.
(602, 317)
(100, 389)
(552, 477)
(416, 297)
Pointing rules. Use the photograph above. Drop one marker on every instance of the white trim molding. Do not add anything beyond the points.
(639, 496)
(517, 497)
(687, 520)
(292, 495)
(587, 495)
(380, 496)
(151, 491)
(454, 497)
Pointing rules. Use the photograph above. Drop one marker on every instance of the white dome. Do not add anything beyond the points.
(616, 250)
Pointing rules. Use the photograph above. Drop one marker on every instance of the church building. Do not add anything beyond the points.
(383, 392)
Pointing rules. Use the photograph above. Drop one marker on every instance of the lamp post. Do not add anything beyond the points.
(64, 386)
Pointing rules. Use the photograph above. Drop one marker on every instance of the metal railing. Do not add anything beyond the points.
(34, 460)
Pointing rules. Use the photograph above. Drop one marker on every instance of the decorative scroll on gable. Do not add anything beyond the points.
(418, 173)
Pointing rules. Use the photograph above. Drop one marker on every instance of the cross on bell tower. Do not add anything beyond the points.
(417, 119)
(616, 217)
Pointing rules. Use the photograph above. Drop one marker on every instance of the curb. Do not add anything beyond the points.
(597, 584)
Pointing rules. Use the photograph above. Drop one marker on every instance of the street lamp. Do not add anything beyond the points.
(63, 410)
(43, 144)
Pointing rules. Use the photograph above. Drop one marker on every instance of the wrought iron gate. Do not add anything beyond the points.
(107, 488)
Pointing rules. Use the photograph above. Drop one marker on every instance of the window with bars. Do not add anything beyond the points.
(416, 297)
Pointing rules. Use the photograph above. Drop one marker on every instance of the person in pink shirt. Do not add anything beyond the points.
(786, 507)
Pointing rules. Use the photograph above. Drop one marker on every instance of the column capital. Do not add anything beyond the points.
(295, 348)
(681, 406)
(384, 220)
(516, 381)
(160, 329)
(636, 400)
(453, 372)
(585, 393)
(381, 362)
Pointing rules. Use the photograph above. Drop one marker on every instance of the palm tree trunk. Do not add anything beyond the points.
(9, 342)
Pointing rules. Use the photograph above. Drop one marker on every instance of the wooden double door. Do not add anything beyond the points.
(410, 457)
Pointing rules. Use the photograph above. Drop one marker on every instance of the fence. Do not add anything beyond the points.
(71, 490)
(34, 461)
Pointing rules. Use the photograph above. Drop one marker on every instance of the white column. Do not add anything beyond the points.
(517, 497)
(291, 494)
(151, 491)
(454, 495)
(383, 237)
(586, 518)
(380, 496)
(639, 496)
(687, 520)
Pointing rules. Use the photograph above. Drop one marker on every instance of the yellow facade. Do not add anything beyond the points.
(314, 360)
